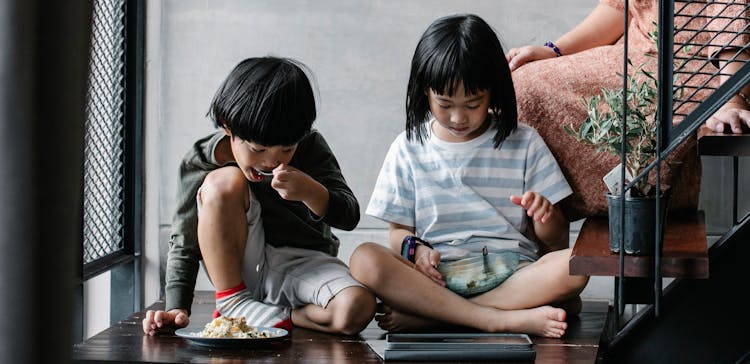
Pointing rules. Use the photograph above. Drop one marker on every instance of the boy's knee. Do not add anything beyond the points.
(354, 308)
(224, 185)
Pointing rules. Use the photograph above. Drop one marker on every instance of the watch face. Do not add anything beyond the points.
(408, 248)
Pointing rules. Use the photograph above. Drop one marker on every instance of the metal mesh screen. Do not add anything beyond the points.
(103, 166)
(703, 29)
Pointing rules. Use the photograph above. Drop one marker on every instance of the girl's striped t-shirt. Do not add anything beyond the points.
(456, 195)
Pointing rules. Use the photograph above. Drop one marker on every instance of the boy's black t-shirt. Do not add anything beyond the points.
(286, 223)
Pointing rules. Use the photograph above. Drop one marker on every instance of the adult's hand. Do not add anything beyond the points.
(732, 115)
(518, 57)
(157, 321)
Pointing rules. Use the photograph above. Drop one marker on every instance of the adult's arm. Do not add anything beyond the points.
(603, 26)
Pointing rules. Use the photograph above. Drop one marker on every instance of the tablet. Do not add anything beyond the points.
(443, 341)
(458, 347)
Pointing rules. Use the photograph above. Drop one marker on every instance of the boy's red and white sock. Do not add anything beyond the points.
(238, 302)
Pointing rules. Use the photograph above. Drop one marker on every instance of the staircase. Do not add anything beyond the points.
(700, 317)
(702, 320)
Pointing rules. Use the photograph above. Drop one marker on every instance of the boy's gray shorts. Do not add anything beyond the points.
(287, 276)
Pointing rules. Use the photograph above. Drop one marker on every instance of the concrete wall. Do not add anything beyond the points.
(359, 51)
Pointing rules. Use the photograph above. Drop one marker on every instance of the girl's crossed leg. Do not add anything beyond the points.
(544, 282)
(413, 301)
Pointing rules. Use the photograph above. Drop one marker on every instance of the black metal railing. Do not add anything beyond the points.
(691, 35)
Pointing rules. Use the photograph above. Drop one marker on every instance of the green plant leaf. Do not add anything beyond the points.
(569, 130)
(648, 74)
(635, 131)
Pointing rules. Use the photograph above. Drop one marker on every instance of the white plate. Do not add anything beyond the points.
(226, 342)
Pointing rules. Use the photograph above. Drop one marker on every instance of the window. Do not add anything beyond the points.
(112, 156)
(104, 139)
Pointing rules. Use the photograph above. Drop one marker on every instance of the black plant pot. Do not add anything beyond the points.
(640, 223)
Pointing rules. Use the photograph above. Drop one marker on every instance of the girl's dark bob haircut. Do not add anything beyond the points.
(266, 100)
(460, 48)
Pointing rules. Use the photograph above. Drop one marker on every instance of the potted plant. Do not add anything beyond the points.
(603, 129)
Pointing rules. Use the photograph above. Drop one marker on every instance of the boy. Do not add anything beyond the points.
(262, 196)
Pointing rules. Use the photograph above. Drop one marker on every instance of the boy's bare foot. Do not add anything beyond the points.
(545, 321)
(391, 320)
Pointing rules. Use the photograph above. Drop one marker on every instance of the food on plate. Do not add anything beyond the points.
(232, 327)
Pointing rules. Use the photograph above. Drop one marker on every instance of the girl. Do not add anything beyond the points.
(467, 178)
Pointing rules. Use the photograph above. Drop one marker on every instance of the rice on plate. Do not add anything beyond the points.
(232, 327)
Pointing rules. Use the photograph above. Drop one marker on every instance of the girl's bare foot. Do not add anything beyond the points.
(572, 306)
(546, 321)
(391, 320)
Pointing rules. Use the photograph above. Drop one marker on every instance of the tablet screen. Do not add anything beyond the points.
(509, 339)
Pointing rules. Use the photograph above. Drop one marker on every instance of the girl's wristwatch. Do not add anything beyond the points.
(409, 246)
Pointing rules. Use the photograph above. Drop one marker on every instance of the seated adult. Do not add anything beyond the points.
(552, 80)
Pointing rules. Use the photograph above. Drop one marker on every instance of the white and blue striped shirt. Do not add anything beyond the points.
(456, 195)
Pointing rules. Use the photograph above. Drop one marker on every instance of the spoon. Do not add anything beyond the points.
(263, 173)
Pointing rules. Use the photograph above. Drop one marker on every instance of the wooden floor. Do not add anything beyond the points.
(125, 343)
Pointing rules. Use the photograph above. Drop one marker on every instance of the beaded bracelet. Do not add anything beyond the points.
(554, 48)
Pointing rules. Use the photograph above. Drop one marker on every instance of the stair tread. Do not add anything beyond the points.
(722, 144)
(685, 251)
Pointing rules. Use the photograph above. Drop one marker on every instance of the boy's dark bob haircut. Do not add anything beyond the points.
(460, 48)
(266, 100)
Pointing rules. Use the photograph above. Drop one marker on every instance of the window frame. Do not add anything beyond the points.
(126, 292)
